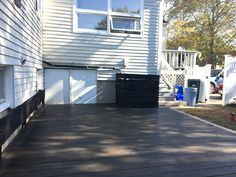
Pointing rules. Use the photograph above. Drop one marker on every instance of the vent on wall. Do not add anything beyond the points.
(18, 3)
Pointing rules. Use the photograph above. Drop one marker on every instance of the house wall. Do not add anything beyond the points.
(20, 39)
(62, 45)
(139, 53)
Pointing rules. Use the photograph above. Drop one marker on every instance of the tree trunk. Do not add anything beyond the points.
(211, 54)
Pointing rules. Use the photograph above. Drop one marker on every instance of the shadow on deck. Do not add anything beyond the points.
(107, 141)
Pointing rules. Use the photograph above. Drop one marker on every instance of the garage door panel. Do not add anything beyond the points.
(83, 86)
(57, 86)
(70, 86)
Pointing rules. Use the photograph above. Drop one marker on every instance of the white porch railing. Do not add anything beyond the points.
(180, 59)
(175, 65)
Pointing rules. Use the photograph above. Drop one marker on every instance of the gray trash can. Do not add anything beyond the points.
(191, 96)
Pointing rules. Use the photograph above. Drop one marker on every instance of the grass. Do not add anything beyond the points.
(215, 113)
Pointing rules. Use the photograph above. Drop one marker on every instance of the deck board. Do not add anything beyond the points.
(107, 141)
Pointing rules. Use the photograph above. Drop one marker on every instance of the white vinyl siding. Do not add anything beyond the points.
(21, 39)
(62, 45)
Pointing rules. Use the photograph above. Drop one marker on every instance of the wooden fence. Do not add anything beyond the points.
(134, 90)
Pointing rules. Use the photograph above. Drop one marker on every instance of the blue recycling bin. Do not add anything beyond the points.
(191, 96)
(179, 93)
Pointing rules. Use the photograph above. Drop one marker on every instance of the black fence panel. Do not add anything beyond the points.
(17, 116)
(134, 90)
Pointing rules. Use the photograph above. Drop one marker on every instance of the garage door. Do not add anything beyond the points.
(70, 86)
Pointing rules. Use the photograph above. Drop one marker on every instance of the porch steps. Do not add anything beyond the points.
(165, 94)
(166, 98)
(172, 103)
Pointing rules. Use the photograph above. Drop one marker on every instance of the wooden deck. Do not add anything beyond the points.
(105, 141)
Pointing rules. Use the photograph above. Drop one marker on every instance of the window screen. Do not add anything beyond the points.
(126, 24)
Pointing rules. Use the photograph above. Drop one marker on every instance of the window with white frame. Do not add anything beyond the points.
(1, 85)
(112, 16)
(6, 87)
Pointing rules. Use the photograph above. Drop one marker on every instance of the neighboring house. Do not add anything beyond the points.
(20, 53)
(86, 42)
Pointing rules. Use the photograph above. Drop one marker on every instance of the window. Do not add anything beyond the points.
(125, 24)
(109, 16)
(126, 6)
(89, 4)
(1, 84)
(6, 87)
(92, 21)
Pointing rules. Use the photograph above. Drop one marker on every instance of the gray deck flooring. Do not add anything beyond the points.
(106, 141)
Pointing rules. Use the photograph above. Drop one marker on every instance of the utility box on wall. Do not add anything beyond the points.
(134, 90)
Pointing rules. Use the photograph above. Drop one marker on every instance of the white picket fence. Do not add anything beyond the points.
(229, 91)
(180, 59)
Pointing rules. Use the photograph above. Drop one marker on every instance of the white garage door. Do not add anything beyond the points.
(70, 86)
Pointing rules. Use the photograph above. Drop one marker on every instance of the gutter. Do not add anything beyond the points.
(81, 66)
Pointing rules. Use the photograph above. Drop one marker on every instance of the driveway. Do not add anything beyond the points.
(107, 141)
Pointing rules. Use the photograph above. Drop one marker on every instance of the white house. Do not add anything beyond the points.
(20, 52)
(86, 42)
(83, 44)
(20, 56)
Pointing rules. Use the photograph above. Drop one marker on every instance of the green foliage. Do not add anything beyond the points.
(208, 26)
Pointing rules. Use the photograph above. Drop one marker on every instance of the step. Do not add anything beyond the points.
(166, 98)
(165, 93)
(164, 89)
(172, 103)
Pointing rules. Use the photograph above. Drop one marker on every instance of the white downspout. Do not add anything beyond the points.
(160, 36)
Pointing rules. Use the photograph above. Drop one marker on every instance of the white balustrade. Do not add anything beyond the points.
(180, 59)
(175, 63)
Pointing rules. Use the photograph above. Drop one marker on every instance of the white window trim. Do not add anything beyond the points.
(8, 100)
(131, 30)
(4, 104)
(109, 14)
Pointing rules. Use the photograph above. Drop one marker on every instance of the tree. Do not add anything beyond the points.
(205, 25)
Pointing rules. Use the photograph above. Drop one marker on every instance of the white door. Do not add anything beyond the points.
(57, 86)
(83, 85)
(70, 86)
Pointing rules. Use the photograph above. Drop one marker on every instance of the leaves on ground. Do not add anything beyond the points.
(216, 114)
